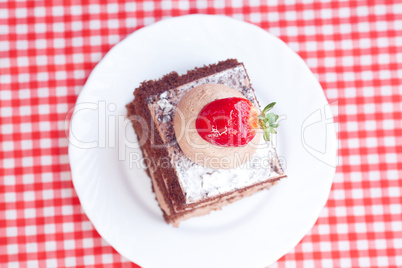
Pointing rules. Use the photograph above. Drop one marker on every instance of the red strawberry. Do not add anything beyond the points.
(233, 122)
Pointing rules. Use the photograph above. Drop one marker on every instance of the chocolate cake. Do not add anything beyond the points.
(183, 188)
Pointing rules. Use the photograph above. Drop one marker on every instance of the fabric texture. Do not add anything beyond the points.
(48, 49)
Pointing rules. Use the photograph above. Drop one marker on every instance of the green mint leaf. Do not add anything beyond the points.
(268, 107)
(266, 135)
(271, 117)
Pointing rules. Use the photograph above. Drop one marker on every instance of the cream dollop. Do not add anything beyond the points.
(193, 145)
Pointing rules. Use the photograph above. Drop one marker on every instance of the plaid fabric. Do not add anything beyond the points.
(48, 49)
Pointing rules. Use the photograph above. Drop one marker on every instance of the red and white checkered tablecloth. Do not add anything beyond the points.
(48, 49)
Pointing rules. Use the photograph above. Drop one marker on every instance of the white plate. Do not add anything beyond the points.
(117, 198)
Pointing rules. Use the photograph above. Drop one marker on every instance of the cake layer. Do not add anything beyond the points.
(183, 189)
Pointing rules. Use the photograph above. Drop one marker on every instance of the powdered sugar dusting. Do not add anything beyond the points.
(199, 182)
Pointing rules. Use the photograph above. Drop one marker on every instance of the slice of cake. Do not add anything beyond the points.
(192, 172)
